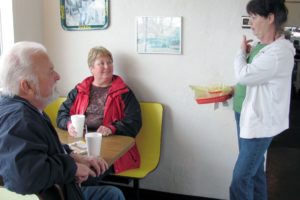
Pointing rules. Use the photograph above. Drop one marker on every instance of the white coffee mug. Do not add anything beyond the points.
(93, 141)
(78, 123)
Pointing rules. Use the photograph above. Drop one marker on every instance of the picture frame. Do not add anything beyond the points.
(155, 34)
(84, 14)
(245, 22)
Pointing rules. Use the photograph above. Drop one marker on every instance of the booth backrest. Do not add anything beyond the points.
(52, 109)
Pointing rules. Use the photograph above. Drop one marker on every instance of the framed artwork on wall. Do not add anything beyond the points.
(158, 34)
(245, 22)
(84, 14)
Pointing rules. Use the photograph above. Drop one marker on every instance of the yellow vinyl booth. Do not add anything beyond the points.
(148, 140)
(149, 143)
(52, 109)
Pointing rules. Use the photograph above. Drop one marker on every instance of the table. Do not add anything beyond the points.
(112, 147)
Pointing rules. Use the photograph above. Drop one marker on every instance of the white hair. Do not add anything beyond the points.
(16, 65)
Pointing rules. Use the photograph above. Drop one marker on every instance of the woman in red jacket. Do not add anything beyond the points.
(109, 106)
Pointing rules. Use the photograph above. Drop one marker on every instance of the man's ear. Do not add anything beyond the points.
(25, 87)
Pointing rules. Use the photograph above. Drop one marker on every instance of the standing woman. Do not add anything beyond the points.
(265, 109)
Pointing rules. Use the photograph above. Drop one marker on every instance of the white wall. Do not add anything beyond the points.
(294, 17)
(199, 143)
(28, 20)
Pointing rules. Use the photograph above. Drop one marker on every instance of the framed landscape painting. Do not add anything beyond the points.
(158, 34)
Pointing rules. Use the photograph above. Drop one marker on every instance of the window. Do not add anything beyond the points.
(6, 25)
(0, 35)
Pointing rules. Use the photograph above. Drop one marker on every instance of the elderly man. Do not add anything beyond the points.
(32, 157)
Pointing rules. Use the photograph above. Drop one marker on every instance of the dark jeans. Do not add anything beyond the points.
(102, 193)
(249, 180)
(95, 181)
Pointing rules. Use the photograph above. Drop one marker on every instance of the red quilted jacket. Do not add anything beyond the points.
(113, 111)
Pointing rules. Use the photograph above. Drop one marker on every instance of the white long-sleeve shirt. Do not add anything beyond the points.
(265, 110)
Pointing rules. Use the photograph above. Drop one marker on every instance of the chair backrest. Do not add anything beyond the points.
(52, 109)
(149, 138)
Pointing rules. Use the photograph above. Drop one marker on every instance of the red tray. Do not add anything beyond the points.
(214, 99)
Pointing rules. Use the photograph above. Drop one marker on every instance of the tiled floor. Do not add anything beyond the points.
(283, 160)
(283, 173)
(151, 195)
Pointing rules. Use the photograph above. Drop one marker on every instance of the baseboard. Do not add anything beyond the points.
(146, 194)
(130, 194)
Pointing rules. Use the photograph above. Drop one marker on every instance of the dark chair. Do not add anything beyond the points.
(53, 193)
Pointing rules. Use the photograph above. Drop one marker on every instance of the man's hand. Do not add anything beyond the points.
(98, 165)
(83, 172)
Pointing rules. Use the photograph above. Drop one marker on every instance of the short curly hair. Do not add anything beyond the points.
(98, 51)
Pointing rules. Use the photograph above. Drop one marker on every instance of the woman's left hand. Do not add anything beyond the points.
(245, 46)
(104, 131)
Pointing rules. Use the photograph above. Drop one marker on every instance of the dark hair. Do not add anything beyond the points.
(266, 7)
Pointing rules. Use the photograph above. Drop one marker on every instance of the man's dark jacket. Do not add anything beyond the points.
(32, 159)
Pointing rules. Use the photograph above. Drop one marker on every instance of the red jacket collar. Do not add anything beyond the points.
(117, 85)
